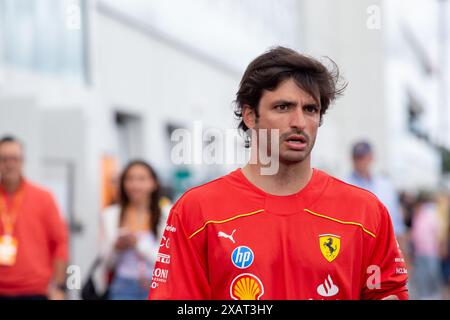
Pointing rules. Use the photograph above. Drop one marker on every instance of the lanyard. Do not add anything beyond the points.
(9, 217)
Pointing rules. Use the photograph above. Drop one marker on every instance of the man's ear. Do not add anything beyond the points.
(249, 116)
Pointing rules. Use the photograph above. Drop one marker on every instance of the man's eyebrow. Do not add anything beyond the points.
(284, 102)
(312, 104)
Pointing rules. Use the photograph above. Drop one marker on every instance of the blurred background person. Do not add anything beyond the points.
(363, 177)
(407, 201)
(446, 267)
(33, 236)
(425, 238)
(131, 232)
(445, 252)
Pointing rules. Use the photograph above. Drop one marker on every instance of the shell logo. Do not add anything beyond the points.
(246, 286)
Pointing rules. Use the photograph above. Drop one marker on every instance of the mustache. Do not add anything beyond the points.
(285, 135)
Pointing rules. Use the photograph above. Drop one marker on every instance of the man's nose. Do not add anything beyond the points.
(298, 119)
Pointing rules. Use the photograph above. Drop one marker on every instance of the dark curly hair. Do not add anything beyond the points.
(271, 68)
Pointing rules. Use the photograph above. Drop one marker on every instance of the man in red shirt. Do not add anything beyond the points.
(33, 236)
(296, 233)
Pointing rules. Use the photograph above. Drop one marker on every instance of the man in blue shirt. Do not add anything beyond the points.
(362, 154)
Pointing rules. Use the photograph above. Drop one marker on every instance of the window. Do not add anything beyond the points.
(129, 133)
(46, 36)
(415, 117)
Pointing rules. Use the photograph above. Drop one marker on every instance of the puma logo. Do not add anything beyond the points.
(227, 236)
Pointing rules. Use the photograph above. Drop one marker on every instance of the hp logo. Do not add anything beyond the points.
(242, 257)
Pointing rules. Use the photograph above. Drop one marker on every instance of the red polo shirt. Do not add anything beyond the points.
(42, 238)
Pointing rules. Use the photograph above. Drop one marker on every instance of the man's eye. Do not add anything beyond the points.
(312, 109)
(282, 107)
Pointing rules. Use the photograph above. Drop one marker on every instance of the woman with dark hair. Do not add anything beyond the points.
(131, 232)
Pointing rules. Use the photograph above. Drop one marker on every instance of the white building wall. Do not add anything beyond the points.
(357, 50)
(141, 75)
(413, 163)
(378, 66)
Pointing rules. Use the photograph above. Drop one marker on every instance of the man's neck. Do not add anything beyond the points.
(290, 178)
(11, 186)
(363, 174)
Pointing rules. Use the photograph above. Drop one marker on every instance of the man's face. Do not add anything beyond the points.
(11, 161)
(363, 163)
(295, 114)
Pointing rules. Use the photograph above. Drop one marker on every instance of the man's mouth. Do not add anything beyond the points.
(296, 142)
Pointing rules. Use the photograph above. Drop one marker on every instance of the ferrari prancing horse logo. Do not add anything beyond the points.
(330, 246)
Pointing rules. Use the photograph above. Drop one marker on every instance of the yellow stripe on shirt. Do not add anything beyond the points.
(226, 220)
(340, 221)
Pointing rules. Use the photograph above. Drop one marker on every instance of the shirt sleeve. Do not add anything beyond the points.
(386, 272)
(147, 249)
(180, 269)
(57, 231)
(108, 238)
